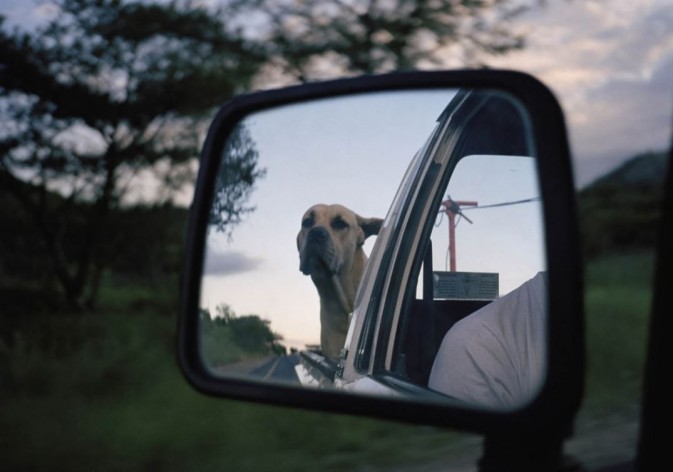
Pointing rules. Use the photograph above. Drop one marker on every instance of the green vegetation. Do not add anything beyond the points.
(620, 211)
(227, 338)
(618, 299)
(103, 391)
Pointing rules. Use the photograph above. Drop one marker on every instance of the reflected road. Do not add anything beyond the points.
(278, 369)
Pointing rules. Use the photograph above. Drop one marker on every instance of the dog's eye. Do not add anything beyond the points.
(338, 223)
(307, 223)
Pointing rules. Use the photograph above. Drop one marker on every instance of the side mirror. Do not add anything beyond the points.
(401, 246)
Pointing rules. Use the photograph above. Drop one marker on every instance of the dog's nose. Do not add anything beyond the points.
(318, 234)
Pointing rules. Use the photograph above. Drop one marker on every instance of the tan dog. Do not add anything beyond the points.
(330, 251)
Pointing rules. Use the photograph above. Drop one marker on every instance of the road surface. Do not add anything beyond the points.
(275, 368)
(278, 369)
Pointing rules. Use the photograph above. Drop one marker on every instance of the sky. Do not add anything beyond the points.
(609, 62)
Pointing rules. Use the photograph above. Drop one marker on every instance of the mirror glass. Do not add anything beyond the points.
(302, 180)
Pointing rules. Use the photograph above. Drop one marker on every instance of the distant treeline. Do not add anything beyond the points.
(621, 210)
(227, 338)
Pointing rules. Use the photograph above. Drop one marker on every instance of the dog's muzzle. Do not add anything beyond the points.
(317, 254)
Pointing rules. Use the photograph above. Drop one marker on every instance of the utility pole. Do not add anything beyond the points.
(452, 208)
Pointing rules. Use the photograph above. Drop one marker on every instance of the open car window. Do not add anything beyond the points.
(481, 247)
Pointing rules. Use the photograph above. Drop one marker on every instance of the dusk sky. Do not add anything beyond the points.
(610, 63)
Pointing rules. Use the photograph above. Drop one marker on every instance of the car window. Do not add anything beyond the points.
(486, 241)
(493, 210)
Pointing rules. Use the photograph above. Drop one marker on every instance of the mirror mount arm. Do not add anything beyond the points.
(653, 448)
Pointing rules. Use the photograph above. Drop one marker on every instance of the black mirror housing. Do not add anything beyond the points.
(553, 409)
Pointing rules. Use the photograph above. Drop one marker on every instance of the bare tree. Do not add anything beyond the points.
(312, 39)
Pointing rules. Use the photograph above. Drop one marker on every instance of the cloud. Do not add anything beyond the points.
(610, 64)
(628, 114)
(229, 263)
(27, 14)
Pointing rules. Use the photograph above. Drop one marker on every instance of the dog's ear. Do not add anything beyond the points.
(370, 226)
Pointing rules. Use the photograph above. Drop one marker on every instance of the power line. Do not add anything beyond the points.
(455, 209)
(494, 205)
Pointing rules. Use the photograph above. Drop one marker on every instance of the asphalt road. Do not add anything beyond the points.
(278, 369)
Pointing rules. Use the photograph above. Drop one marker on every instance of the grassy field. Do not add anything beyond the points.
(103, 392)
(119, 403)
(618, 298)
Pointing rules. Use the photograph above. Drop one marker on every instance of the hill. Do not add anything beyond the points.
(620, 211)
(642, 170)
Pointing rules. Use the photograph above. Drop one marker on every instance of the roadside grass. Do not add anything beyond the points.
(618, 301)
(102, 391)
(218, 347)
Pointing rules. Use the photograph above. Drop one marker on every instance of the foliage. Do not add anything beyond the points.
(128, 252)
(614, 218)
(235, 180)
(21, 252)
(618, 303)
(317, 38)
(621, 211)
(228, 338)
(105, 90)
(105, 393)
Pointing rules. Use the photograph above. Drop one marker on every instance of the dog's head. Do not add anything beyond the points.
(329, 237)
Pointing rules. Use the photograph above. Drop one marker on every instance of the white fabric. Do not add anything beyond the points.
(496, 357)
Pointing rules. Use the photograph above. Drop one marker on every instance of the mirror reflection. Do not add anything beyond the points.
(305, 213)
(487, 260)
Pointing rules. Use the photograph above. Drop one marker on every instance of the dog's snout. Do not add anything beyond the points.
(317, 252)
(317, 234)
